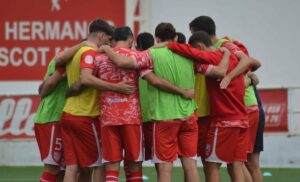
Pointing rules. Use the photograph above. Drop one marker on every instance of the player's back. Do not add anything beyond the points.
(117, 108)
(179, 71)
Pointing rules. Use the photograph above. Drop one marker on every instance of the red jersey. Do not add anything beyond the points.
(227, 106)
(117, 108)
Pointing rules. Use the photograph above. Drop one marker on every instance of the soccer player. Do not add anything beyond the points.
(145, 41)
(80, 131)
(47, 125)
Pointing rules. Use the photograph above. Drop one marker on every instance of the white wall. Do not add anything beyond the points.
(269, 28)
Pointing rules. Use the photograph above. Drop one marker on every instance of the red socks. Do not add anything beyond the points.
(111, 176)
(135, 177)
(48, 177)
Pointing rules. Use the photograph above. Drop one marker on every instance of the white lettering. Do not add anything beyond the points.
(6, 111)
(13, 61)
(43, 51)
(66, 31)
(3, 57)
(37, 30)
(11, 30)
(52, 30)
(24, 30)
(80, 30)
(33, 52)
(21, 113)
(29, 126)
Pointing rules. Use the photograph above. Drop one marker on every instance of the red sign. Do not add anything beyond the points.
(275, 104)
(33, 31)
(17, 116)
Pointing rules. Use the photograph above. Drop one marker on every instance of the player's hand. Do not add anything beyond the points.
(161, 44)
(224, 50)
(103, 48)
(225, 82)
(75, 89)
(89, 44)
(189, 93)
(124, 87)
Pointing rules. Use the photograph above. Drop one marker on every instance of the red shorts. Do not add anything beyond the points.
(253, 116)
(81, 140)
(48, 137)
(226, 144)
(119, 137)
(174, 138)
(203, 126)
(148, 141)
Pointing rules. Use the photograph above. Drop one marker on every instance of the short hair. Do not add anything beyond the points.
(122, 33)
(181, 38)
(100, 25)
(165, 31)
(200, 37)
(144, 41)
(204, 23)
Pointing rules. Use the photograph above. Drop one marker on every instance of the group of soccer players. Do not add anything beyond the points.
(112, 98)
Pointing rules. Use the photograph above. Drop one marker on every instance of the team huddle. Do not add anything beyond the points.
(114, 98)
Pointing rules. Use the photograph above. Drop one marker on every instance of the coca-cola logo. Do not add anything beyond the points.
(17, 117)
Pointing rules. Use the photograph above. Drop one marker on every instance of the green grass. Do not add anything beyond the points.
(31, 174)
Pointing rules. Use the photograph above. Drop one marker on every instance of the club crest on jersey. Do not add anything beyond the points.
(88, 59)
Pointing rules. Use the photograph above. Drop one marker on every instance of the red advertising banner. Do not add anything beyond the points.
(275, 104)
(33, 31)
(17, 117)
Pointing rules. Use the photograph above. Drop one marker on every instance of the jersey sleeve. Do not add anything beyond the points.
(203, 57)
(87, 59)
(143, 60)
(203, 68)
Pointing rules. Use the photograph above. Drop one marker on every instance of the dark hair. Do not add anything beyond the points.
(204, 23)
(122, 33)
(144, 41)
(165, 31)
(200, 37)
(181, 38)
(99, 25)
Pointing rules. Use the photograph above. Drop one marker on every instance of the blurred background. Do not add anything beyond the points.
(33, 31)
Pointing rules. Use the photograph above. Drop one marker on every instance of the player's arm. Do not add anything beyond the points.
(127, 62)
(88, 79)
(165, 85)
(50, 83)
(203, 57)
(220, 70)
(241, 67)
(69, 53)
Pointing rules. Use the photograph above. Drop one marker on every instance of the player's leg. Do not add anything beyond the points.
(239, 172)
(254, 168)
(203, 127)
(132, 139)
(165, 148)
(220, 148)
(49, 141)
(187, 145)
(99, 174)
(112, 151)
(253, 160)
